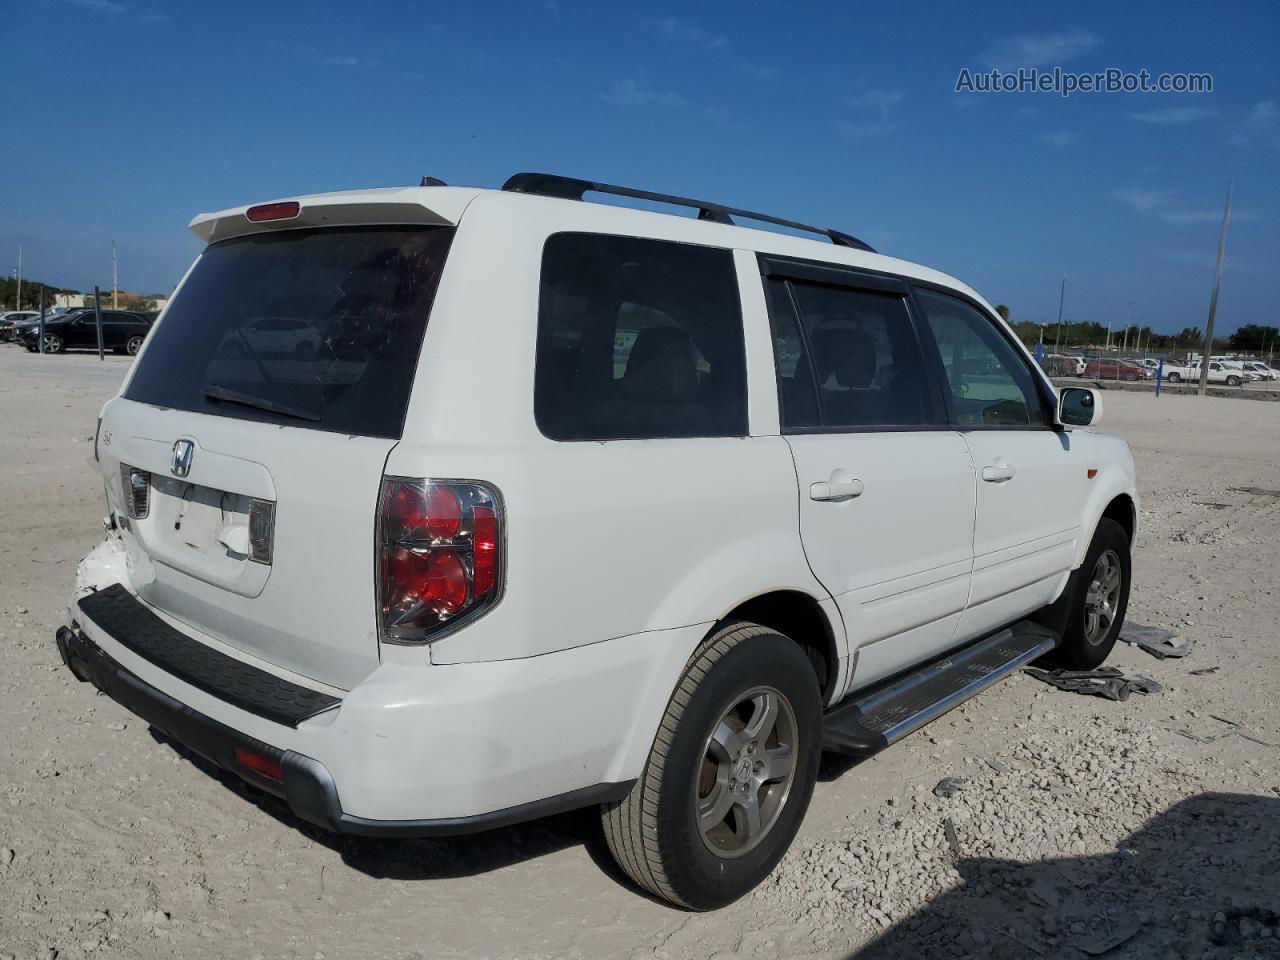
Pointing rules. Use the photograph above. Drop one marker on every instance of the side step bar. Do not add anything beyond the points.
(872, 719)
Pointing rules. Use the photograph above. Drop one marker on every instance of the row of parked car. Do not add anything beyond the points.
(123, 331)
(1232, 372)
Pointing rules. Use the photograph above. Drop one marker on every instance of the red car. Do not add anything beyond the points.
(1114, 370)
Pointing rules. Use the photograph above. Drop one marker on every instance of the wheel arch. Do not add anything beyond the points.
(801, 618)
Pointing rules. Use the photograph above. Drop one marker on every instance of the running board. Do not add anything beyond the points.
(872, 719)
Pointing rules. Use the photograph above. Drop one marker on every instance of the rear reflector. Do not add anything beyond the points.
(286, 210)
(260, 764)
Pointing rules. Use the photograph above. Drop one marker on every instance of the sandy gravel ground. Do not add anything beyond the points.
(1149, 828)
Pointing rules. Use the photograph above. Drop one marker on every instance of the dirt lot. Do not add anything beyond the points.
(1150, 827)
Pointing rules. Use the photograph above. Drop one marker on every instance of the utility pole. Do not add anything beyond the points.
(1213, 297)
(115, 296)
(18, 305)
(1057, 337)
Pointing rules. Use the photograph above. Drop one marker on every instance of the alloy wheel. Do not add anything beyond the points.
(1103, 597)
(748, 767)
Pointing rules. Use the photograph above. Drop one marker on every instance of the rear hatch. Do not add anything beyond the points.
(245, 455)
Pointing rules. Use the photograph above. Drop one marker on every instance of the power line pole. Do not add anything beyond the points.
(1057, 337)
(1213, 297)
(115, 298)
(18, 305)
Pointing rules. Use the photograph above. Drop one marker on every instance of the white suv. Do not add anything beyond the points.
(534, 504)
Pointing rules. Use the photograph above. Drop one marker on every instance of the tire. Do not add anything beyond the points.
(655, 833)
(1233, 381)
(1131, 376)
(53, 343)
(132, 346)
(1174, 378)
(1090, 636)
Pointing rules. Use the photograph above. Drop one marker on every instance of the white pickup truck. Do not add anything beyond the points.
(1218, 373)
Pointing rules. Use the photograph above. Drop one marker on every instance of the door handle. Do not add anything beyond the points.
(841, 486)
(998, 472)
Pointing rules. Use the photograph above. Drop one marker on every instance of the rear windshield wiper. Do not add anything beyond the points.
(215, 391)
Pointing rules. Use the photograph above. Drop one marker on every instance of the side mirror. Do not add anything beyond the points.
(1079, 407)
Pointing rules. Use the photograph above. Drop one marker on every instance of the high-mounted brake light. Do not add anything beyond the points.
(439, 556)
(285, 210)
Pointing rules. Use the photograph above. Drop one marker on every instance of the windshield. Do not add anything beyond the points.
(314, 328)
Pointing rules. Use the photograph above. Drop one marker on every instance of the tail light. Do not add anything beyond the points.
(439, 556)
(284, 210)
(137, 490)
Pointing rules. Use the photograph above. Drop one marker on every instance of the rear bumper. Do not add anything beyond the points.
(306, 785)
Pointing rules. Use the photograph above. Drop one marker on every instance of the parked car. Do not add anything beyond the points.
(1058, 365)
(10, 320)
(525, 535)
(1261, 371)
(1110, 369)
(122, 332)
(1218, 373)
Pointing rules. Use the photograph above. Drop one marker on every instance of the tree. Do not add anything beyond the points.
(1003, 311)
(1254, 336)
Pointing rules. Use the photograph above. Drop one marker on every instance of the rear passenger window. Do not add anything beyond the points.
(845, 358)
(638, 339)
(991, 384)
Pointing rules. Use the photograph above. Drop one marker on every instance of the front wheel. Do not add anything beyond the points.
(1101, 598)
(53, 343)
(730, 773)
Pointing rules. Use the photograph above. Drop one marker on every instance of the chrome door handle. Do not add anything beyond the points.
(840, 487)
(998, 472)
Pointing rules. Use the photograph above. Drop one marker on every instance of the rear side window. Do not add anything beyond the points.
(309, 328)
(638, 339)
(845, 358)
(991, 384)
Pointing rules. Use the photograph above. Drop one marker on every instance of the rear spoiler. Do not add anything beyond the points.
(396, 206)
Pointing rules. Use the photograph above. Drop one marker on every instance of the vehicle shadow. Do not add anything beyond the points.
(1204, 874)
(434, 858)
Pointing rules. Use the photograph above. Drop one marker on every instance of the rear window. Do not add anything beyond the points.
(638, 339)
(309, 328)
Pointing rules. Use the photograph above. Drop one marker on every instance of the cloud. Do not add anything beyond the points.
(341, 61)
(872, 112)
(1167, 206)
(1260, 123)
(102, 6)
(883, 102)
(1037, 50)
(760, 71)
(1175, 115)
(635, 92)
(689, 33)
(1059, 138)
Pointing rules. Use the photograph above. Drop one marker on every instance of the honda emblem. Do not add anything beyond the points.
(180, 459)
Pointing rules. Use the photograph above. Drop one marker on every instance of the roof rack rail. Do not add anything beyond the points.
(571, 188)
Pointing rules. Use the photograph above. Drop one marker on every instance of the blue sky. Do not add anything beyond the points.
(838, 114)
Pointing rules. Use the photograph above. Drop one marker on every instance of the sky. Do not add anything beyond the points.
(127, 117)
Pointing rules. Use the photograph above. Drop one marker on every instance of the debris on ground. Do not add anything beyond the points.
(948, 787)
(1157, 641)
(1107, 682)
(1204, 671)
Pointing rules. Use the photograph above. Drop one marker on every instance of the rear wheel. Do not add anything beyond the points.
(133, 345)
(1101, 597)
(730, 773)
(1174, 377)
(1233, 381)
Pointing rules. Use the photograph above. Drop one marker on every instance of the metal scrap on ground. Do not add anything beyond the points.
(1157, 641)
(1108, 682)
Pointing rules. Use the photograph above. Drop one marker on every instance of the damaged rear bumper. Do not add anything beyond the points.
(305, 784)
